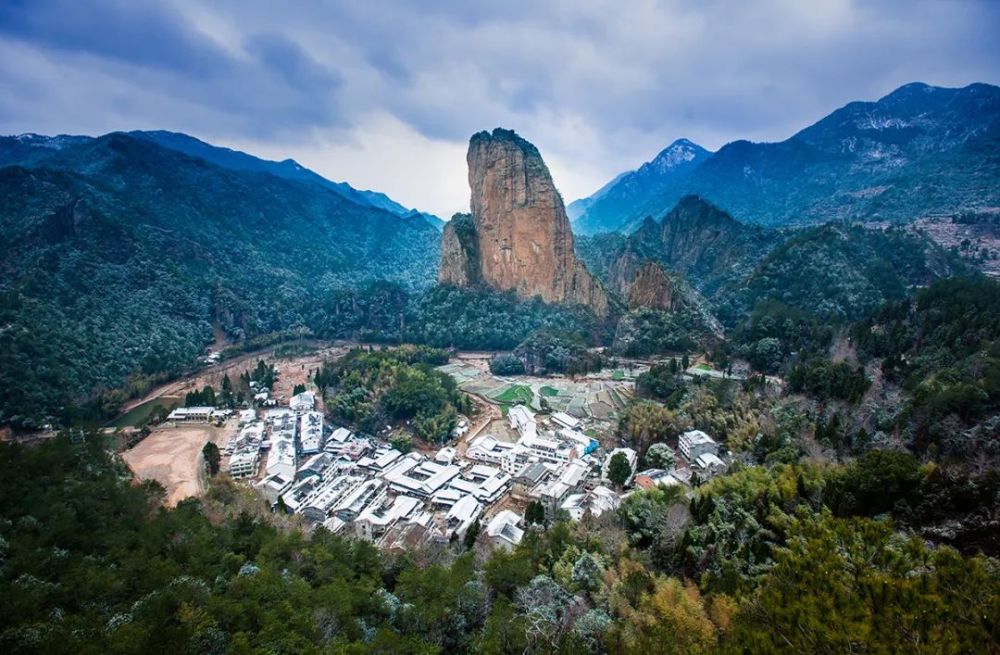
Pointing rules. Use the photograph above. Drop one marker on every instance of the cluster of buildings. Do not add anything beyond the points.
(361, 486)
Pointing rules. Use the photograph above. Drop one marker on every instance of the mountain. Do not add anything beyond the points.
(919, 151)
(518, 236)
(119, 255)
(632, 190)
(288, 169)
(29, 149)
(834, 271)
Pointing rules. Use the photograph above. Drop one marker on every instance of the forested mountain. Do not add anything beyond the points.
(835, 271)
(634, 189)
(919, 151)
(31, 149)
(118, 255)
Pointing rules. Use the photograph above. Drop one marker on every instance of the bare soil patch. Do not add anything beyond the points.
(172, 457)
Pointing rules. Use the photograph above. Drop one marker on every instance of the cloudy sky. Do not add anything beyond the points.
(385, 94)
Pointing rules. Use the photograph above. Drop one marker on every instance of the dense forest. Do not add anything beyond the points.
(777, 558)
(370, 389)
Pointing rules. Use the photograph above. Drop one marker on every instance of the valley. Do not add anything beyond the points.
(736, 401)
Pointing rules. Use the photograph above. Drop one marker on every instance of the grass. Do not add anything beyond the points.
(517, 393)
(618, 375)
(548, 392)
(702, 366)
(140, 413)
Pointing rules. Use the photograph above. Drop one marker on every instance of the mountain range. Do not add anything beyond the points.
(919, 151)
(119, 255)
(30, 149)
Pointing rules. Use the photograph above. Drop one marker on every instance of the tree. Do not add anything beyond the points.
(212, 457)
(535, 513)
(471, 534)
(685, 362)
(619, 470)
(506, 364)
(660, 455)
(299, 388)
(401, 442)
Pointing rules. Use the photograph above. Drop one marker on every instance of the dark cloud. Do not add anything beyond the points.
(598, 85)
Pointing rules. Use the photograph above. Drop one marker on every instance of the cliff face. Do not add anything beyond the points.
(521, 235)
(652, 288)
(459, 252)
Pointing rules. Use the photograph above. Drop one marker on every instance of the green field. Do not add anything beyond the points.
(618, 375)
(140, 413)
(548, 392)
(517, 393)
(702, 366)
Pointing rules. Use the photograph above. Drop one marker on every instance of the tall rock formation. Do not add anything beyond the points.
(520, 237)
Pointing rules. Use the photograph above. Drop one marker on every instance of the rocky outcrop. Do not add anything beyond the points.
(459, 252)
(652, 288)
(521, 237)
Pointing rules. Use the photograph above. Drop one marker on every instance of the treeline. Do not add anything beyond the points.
(767, 560)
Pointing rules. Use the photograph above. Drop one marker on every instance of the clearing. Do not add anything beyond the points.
(172, 457)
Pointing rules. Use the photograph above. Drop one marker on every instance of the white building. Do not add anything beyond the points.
(695, 443)
(503, 529)
(281, 458)
(311, 432)
(522, 420)
(192, 414)
(709, 465)
(303, 402)
(565, 420)
(598, 501)
(462, 515)
(244, 464)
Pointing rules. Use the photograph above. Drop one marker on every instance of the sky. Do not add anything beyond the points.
(385, 95)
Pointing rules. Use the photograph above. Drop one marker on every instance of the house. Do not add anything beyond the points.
(565, 420)
(281, 458)
(303, 402)
(311, 433)
(489, 449)
(340, 435)
(599, 500)
(522, 420)
(571, 478)
(314, 466)
(695, 443)
(503, 530)
(191, 414)
(244, 464)
(631, 457)
(462, 515)
(650, 478)
(418, 476)
(319, 505)
(383, 513)
(524, 483)
(446, 455)
(273, 486)
(708, 465)
(247, 416)
(585, 444)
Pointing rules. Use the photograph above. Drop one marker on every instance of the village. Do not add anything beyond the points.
(543, 442)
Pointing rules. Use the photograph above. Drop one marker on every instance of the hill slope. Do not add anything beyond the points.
(119, 254)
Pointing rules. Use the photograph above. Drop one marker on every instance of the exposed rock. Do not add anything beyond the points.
(652, 288)
(459, 252)
(522, 236)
